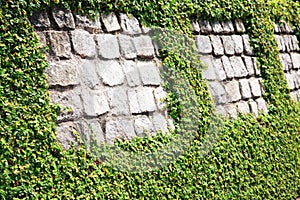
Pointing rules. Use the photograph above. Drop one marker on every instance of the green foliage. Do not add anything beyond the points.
(253, 158)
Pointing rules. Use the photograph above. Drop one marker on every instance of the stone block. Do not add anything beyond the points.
(83, 43)
(290, 80)
(253, 107)
(63, 73)
(127, 47)
(247, 47)
(143, 126)
(227, 27)
(195, 26)
(208, 73)
(288, 28)
(203, 44)
(60, 44)
(228, 44)
(239, 26)
(243, 107)
(146, 99)
(205, 26)
(118, 101)
(131, 73)
(238, 44)
(238, 67)
(144, 47)
(108, 46)
(217, 27)
(276, 28)
(159, 122)
(295, 57)
(295, 78)
(294, 96)
(295, 42)
(231, 110)
(218, 92)
(111, 73)
(218, 66)
(92, 26)
(287, 44)
(40, 20)
(110, 22)
(261, 105)
(227, 67)
(255, 87)
(63, 18)
(160, 95)
(119, 128)
(65, 134)
(245, 88)
(94, 102)
(42, 38)
(220, 110)
(129, 25)
(217, 45)
(286, 61)
(249, 65)
(233, 91)
(149, 73)
(133, 101)
(89, 75)
(278, 39)
(256, 68)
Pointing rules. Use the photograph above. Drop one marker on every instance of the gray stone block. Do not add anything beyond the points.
(247, 47)
(94, 102)
(65, 134)
(290, 80)
(227, 67)
(294, 96)
(217, 45)
(40, 19)
(218, 66)
(63, 18)
(89, 75)
(160, 95)
(110, 22)
(276, 28)
(286, 61)
(227, 27)
(220, 110)
(83, 43)
(256, 68)
(208, 73)
(129, 25)
(159, 122)
(42, 38)
(205, 26)
(288, 28)
(286, 40)
(231, 110)
(218, 92)
(239, 26)
(249, 65)
(146, 99)
(143, 126)
(108, 46)
(253, 107)
(127, 47)
(119, 128)
(261, 105)
(92, 26)
(295, 57)
(295, 78)
(255, 87)
(238, 67)
(295, 42)
(149, 73)
(238, 44)
(243, 107)
(233, 91)
(60, 44)
(228, 44)
(131, 73)
(203, 44)
(111, 73)
(217, 27)
(63, 73)
(133, 101)
(144, 47)
(195, 26)
(118, 101)
(245, 88)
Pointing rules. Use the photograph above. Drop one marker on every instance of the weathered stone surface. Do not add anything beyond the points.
(295, 96)
(145, 29)
(295, 79)
(111, 73)
(119, 128)
(144, 47)
(227, 67)
(253, 107)
(255, 87)
(218, 66)
(92, 26)
(217, 45)
(63, 18)
(286, 61)
(249, 65)
(231, 111)
(160, 95)
(278, 39)
(286, 40)
(127, 47)
(227, 27)
(243, 107)
(218, 92)
(131, 73)
(146, 99)
(290, 80)
(296, 60)
(83, 43)
(245, 88)
(195, 26)
(143, 126)
(42, 38)
(40, 20)
(239, 26)
(256, 69)
(159, 122)
(232, 91)
(149, 73)
(220, 110)
(276, 28)
(118, 101)
(238, 44)
(217, 27)
(288, 28)
(247, 47)
(94, 102)
(89, 75)
(110, 22)
(228, 44)
(63, 73)
(203, 44)
(295, 42)
(108, 46)
(238, 67)
(60, 44)
(261, 105)
(129, 25)
(205, 26)
(133, 101)
(65, 134)
(208, 73)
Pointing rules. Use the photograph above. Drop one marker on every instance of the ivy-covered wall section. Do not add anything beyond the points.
(253, 157)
